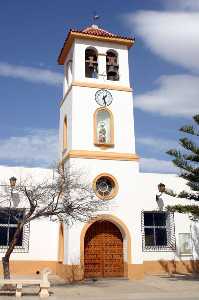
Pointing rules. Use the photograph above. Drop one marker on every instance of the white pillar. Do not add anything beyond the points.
(102, 66)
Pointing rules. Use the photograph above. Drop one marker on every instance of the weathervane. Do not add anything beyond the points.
(95, 18)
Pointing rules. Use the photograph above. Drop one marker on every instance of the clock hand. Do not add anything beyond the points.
(104, 99)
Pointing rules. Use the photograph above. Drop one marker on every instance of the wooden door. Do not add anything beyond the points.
(103, 251)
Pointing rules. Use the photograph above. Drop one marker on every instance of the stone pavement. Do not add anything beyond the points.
(151, 288)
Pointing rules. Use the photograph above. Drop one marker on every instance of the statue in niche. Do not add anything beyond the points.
(102, 133)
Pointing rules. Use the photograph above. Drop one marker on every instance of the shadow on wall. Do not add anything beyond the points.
(181, 266)
(195, 238)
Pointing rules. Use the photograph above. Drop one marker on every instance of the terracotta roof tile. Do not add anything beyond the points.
(95, 30)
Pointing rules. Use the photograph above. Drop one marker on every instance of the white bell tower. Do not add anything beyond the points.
(97, 135)
(95, 60)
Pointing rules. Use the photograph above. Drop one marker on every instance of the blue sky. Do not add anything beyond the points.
(164, 68)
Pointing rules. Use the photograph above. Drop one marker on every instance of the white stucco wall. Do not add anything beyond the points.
(137, 192)
(79, 107)
(44, 234)
(83, 108)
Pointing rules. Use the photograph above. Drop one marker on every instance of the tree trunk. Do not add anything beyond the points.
(6, 258)
(6, 267)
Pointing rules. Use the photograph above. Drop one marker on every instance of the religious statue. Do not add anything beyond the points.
(102, 133)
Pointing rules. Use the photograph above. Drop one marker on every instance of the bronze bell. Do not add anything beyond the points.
(112, 71)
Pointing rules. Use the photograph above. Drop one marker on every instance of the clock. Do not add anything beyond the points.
(103, 97)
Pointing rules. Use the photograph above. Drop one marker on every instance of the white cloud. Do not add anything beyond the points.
(157, 144)
(191, 5)
(30, 74)
(172, 35)
(175, 95)
(36, 148)
(153, 165)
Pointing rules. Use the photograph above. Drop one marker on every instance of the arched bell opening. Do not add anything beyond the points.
(112, 66)
(91, 63)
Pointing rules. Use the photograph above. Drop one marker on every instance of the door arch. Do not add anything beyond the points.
(103, 250)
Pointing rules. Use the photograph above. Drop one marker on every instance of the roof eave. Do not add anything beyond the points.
(72, 35)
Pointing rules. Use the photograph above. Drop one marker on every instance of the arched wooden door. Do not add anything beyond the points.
(103, 251)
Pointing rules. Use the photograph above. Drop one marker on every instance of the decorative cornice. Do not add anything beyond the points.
(96, 85)
(100, 155)
(102, 86)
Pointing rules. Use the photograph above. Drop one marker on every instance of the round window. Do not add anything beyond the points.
(105, 186)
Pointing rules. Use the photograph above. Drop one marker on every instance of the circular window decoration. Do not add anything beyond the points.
(105, 186)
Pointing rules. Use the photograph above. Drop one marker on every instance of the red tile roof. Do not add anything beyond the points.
(94, 31)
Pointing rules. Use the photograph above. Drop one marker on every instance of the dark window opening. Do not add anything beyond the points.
(155, 229)
(91, 64)
(112, 67)
(9, 219)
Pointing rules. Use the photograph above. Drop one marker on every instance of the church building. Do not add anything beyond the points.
(135, 236)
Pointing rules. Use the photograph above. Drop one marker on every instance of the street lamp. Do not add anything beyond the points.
(13, 181)
(161, 189)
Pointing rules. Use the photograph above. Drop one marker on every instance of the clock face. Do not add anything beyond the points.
(103, 97)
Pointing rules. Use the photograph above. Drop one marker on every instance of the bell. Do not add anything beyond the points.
(111, 71)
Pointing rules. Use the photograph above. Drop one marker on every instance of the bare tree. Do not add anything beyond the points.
(67, 198)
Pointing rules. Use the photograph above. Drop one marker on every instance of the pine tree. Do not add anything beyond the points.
(187, 161)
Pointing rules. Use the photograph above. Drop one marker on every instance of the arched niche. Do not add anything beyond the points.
(65, 134)
(103, 127)
(91, 63)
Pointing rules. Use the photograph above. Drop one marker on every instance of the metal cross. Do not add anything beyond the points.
(95, 17)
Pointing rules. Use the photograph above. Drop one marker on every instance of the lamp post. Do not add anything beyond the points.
(13, 181)
(161, 189)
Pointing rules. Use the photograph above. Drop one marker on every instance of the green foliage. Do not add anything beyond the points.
(187, 161)
(184, 209)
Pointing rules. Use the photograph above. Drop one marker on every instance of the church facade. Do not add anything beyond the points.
(135, 236)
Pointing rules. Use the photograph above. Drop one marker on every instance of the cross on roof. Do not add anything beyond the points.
(95, 18)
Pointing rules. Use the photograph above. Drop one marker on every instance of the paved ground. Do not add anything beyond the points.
(151, 288)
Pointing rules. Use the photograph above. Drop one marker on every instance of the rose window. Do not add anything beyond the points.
(105, 187)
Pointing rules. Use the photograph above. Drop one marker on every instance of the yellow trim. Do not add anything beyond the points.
(61, 243)
(30, 267)
(101, 155)
(124, 231)
(78, 35)
(95, 141)
(115, 186)
(102, 86)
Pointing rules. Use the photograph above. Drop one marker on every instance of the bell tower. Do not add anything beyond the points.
(96, 114)
(97, 136)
